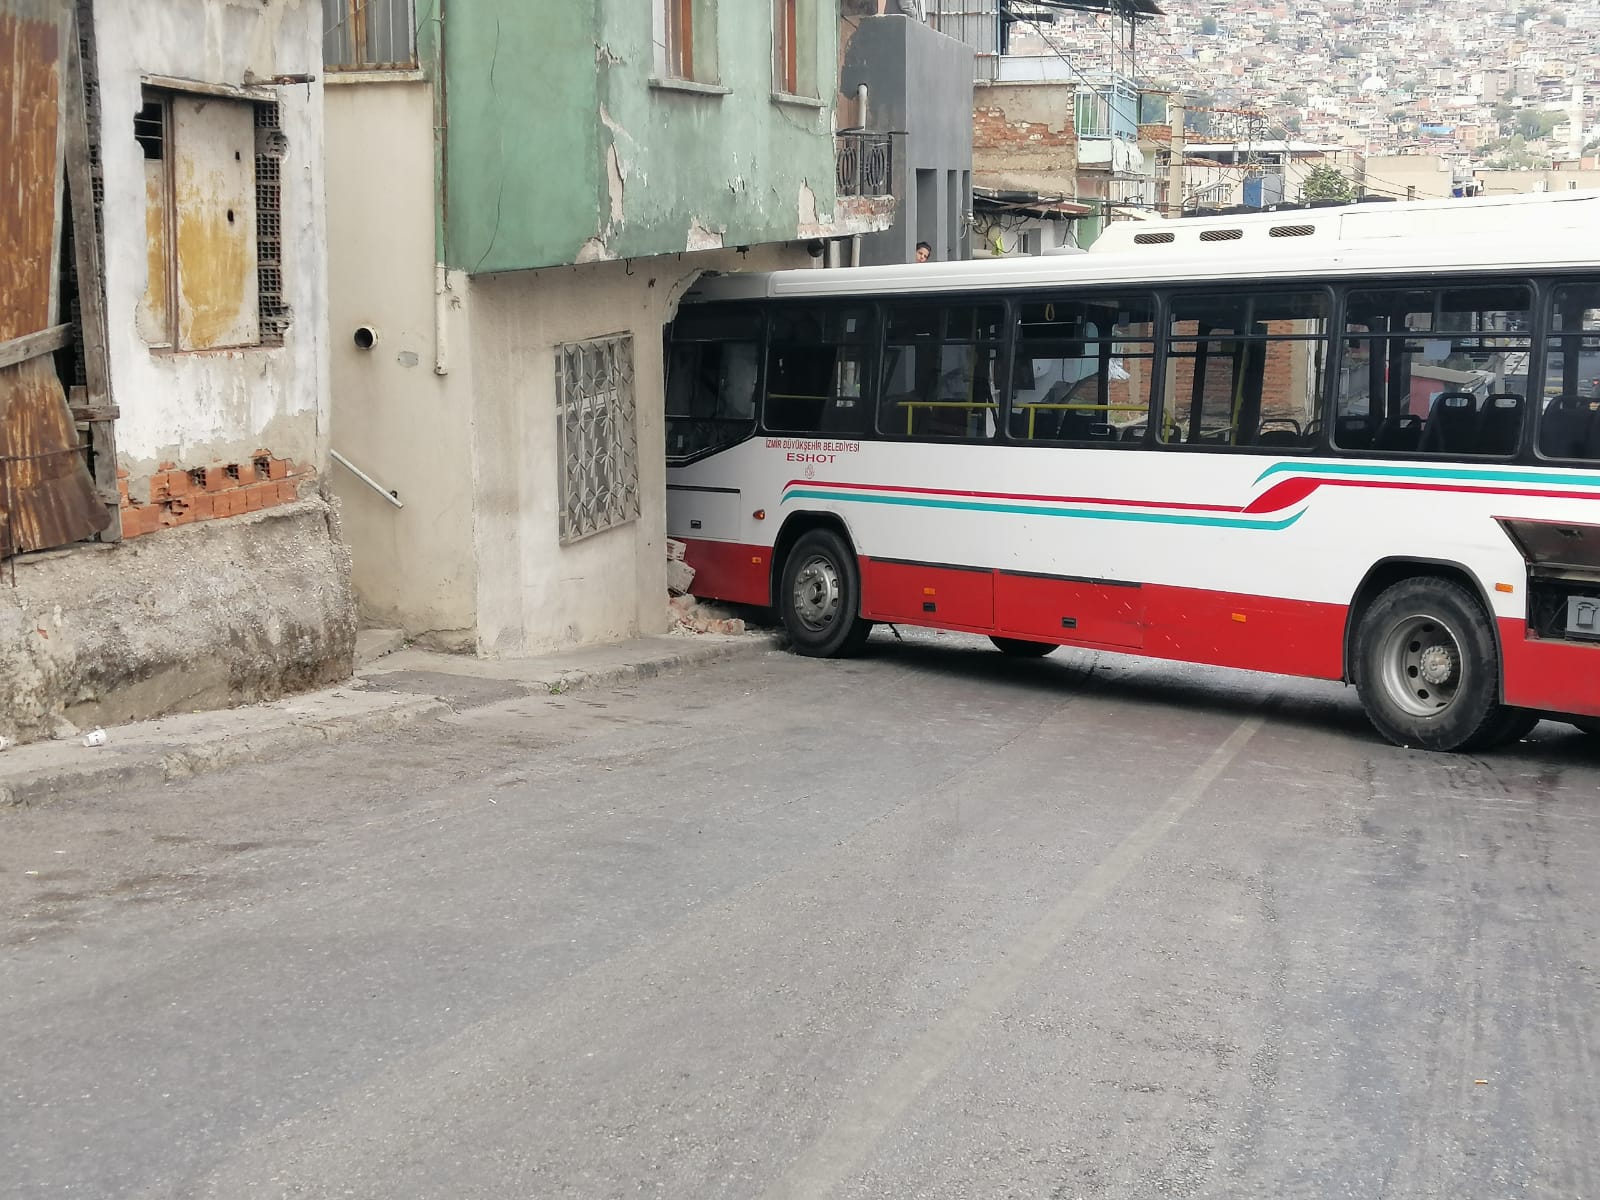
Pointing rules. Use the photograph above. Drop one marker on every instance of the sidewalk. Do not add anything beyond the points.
(392, 691)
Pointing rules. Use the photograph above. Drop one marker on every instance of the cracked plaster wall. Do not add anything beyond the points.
(623, 169)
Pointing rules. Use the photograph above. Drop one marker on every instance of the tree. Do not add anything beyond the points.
(1533, 124)
(1208, 26)
(1326, 183)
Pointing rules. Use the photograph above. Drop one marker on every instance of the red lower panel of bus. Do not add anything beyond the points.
(1255, 633)
(1551, 675)
(730, 571)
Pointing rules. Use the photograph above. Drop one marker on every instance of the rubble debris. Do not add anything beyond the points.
(687, 616)
(680, 575)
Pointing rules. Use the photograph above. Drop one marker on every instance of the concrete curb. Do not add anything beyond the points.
(157, 752)
(52, 782)
(692, 656)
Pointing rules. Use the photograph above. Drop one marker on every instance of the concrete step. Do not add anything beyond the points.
(373, 644)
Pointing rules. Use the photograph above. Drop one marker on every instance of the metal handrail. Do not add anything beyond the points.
(391, 496)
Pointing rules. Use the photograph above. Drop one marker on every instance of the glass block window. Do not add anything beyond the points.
(596, 436)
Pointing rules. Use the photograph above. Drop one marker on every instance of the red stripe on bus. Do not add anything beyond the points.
(974, 495)
(1555, 676)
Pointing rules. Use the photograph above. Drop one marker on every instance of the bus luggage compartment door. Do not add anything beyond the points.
(701, 513)
(928, 594)
(1052, 609)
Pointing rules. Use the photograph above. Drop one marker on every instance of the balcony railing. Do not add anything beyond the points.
(864, 160)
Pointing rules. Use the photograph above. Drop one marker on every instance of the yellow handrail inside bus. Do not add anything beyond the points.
(912, 405)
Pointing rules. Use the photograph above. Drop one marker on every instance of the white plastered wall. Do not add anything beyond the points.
(395, 415)
(198, 409)
(534, 594)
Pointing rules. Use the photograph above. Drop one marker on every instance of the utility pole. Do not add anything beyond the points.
(1175, 172)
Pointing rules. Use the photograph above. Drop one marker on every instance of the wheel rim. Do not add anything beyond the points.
(816, 592)
(1421, 665)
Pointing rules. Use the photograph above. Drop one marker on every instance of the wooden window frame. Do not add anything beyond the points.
(680, 38)
(786, 47)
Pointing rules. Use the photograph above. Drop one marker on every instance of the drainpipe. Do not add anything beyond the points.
(861, 120)
(442, 296)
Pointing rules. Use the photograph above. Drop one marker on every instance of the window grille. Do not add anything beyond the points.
(596, 436)
(365, 35)
(272, 309)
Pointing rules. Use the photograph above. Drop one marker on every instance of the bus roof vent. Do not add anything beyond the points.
(1221, 235)
(1291, 231)
(1151, 239)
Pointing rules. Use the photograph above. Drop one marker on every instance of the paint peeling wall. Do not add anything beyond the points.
(562, 150)
(216, 405)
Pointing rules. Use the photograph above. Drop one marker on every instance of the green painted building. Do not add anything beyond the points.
(580, 131)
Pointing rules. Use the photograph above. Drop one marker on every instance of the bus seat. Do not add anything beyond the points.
(1133, 433)
(1403, 432)
(1355, 431)
(1500, 423)
(1076, 425)
(1564, 427)
(1452, 424)
(1100, 431)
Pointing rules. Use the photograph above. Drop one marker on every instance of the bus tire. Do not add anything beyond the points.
(819, 597)
(1428, 668)
(1512, 725)
(1017, 648)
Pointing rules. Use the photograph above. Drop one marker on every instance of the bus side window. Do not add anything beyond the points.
(1081, 369)
(817, 370)
(939, 372)
(1246, 368)
(1569, 415)
(711, 396)
(1434, 370)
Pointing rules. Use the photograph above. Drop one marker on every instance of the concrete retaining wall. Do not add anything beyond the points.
(202, 616)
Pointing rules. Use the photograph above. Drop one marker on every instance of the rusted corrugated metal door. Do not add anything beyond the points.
(47, 497)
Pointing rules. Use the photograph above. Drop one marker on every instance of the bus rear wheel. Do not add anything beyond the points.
(1428, 668)
(1017, 648)
(819, 595)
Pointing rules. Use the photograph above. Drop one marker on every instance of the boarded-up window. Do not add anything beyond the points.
(211, 221)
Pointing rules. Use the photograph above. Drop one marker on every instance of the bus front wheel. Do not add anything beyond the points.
(820, 597)
(1428, 669)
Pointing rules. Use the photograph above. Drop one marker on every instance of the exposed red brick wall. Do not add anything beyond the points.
(182, 496)
(992, 129)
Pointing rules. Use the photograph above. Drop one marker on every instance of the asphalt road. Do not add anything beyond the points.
(932, 923)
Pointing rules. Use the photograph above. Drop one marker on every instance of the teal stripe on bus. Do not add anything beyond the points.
(1084, 514)
(1426, 472)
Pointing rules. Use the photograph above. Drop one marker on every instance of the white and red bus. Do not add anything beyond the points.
(1357, 443)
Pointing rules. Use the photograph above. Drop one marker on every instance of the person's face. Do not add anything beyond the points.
(923, 254)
